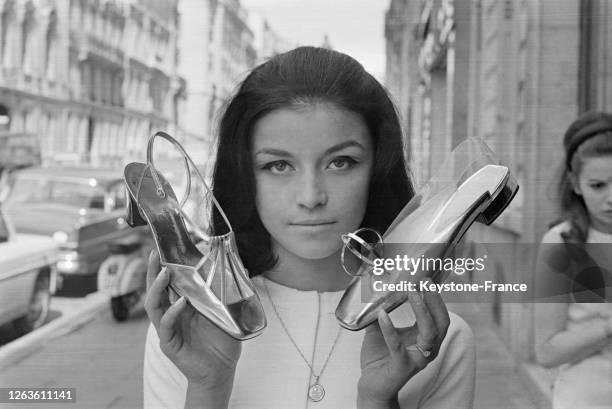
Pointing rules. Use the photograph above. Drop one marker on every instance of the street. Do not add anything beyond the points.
(498, 385)
(101, 359)
(59, 307)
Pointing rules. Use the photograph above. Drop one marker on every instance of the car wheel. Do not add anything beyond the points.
(38, 309)
(120, 308)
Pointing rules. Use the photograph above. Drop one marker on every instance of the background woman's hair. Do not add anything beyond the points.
(304, 76)
(573, 208)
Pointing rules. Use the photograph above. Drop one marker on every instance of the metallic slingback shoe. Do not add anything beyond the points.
(471, 186)
(213, 281)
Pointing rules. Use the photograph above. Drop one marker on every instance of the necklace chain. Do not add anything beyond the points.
(331, 351)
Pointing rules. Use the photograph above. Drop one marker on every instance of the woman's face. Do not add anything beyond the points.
(312, 169)
(594, 184)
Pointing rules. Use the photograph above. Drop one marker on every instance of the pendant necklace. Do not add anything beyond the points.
(316, 392)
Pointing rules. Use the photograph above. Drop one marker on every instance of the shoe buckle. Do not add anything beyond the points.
(367, 251)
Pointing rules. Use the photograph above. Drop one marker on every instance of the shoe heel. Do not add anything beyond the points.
(499, 204)
(134, 218)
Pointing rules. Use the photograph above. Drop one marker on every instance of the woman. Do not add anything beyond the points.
(574, 265)
(309, 148)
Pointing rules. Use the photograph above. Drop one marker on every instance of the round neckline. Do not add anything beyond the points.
(286, 297)
(272, 283)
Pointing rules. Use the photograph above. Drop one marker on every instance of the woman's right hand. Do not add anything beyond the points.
(206, 355)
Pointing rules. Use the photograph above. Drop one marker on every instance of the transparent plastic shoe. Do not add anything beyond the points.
(213, 281)
(471, 186)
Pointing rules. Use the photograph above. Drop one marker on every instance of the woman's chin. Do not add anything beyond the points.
(315, 251)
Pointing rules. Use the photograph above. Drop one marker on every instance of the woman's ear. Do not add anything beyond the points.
(574, 181)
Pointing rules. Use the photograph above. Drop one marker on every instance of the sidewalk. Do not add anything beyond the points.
(498, 381)
(73, 313)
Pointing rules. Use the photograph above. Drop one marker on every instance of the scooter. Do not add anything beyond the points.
(123, 275)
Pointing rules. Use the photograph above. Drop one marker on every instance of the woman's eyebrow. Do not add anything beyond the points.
(272, 151)
(342, 145)
(335, 148)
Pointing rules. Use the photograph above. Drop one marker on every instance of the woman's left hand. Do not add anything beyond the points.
(391, 356)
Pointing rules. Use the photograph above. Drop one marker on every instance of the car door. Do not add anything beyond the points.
(96, 236)
(16, 276)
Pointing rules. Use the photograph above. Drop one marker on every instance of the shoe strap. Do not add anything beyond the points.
(199, 232)
(188, 161)
(372, 250)
(162, 194)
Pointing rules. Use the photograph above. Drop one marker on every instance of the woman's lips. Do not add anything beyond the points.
(311, 225)
(313, 222)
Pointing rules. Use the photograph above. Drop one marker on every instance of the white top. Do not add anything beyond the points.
(271, 374)
(584, 313)
(586, 383)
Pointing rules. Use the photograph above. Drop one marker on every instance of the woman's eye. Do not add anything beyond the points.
(342, 163)
(596, 186)
(279, 166)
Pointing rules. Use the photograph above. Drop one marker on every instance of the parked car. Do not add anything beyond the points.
(27, 277)
(82, 208)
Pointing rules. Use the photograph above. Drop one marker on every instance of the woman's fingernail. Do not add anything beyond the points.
(384, 317)
(415, 297)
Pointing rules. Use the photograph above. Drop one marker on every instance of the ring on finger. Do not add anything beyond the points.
(425, 352)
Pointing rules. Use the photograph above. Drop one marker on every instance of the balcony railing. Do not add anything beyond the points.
(87, 44)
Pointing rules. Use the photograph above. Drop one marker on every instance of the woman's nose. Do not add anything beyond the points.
(311, 192)
(609, 194)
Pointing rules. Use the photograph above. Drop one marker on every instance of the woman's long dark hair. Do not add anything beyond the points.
(303, 76)
(598, 143)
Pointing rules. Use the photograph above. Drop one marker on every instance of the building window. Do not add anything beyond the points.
(97, 85)
(51, 46)
(27, 38)
(107, 87)
(5, 119)
(4, 20)
(10, 45)
(587, 93)
(90, 136)
(585, 62)
(87, 82)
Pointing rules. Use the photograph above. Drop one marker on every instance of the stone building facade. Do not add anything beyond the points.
(220, 42)
(266, 40)
(90, 79)
(216, 47)
(515, 73)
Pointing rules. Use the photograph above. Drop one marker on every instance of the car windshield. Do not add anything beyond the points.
(75, 193)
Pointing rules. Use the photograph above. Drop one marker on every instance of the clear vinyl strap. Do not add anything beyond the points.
(188, 161)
